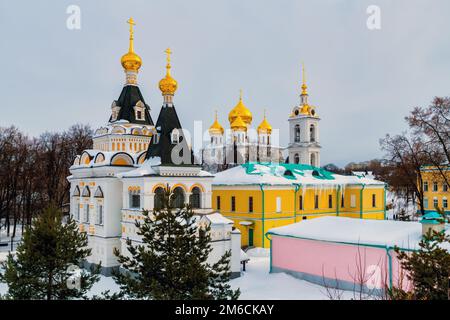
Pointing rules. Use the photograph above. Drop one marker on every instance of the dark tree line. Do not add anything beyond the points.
(425, 143)
(33, 172)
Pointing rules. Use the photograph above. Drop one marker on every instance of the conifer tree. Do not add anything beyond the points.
(46, 262)
(428, 268)
(171, 263)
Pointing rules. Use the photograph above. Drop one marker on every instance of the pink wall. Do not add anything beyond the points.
(335, 261)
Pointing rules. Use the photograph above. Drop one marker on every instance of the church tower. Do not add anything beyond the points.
(304, 146)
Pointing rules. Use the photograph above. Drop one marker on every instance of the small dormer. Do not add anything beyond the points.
(115, 109)
(139, 111)
(175, 136)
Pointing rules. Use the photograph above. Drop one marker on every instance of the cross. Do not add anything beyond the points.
(131, 23)
(168, 52)
(240, 94)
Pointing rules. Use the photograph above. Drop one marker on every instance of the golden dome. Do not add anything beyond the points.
(240, 110)
(131, 61)
(216, 127)
(238, 124)
(168, 85)
(265, 126)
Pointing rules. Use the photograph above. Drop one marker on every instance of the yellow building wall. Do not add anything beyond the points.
(290, 207)
(432, 176)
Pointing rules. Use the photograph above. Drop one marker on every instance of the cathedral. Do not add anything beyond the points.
(131, 163)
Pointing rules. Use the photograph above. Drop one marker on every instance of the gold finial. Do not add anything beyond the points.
(240, 94)
(131, 23)
(168, 52)
(304, 87)
(130, 61)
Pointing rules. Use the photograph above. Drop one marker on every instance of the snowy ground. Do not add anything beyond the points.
(256, 283)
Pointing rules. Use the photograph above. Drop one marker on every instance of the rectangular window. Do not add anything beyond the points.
(342, 201)
(100, 214)
(353, 201)
(435, 186)
(250, 204)
(316, 202)
(233, 204)
(77, 212)
(425, 186)
(86, 212)
(278, 204)
(374, 200)
(218, 202)
(445, 203)
(445, 187)
(330, 201)
(425, 202)
(300, 202)
(135, 200)
(435, 202)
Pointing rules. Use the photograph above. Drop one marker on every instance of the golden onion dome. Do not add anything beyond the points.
(240, 110)
(131, 61)
(239, 124)
(264, 126)
(216, 127)
(168, 85)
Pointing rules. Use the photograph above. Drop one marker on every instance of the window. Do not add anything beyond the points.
(313, 159)
(316, 202)
(330, 201)
(218, 202)
(312, 133)
(296, 159)
(233, 204)
(445, 187)
(425, 186)
(278, 204)
(86, 212)
(194, 198)
(444, 203)
(250, 204)
(304, 218)
(159, 198)
(178, 198)
(435, 186)
(425, 202)
(135, 200)
(297, 133)
(100, 214)
(139, 115)
(175, 136)
(352, 201)
(342, 201)
(300, 202)
(435, 202)
(77, 212)
(374, 200)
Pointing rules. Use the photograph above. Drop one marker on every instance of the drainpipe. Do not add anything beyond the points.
(297, 187)
(261, 186)
(338, 200)
(361, 201)
(270, 261)
(385, 188)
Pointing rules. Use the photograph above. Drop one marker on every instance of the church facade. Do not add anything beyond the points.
(131, 163)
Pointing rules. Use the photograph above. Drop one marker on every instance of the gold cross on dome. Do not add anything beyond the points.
(131, 23)
(168, 53)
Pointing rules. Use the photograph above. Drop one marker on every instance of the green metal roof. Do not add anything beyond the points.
(289, 167)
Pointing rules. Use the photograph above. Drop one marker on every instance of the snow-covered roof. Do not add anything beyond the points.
(286, 174)
(217, 218)
(405, 235)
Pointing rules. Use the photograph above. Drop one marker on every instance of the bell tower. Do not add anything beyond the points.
(304, 144)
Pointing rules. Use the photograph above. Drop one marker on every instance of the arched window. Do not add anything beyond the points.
(159, 198)
(297, 133)
(194, 198)
(312, 133)
(296, 158)
(313, 159)
(98, 193)
(86, 192)
(178, 198)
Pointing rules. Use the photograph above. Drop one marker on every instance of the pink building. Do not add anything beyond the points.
(350, 254)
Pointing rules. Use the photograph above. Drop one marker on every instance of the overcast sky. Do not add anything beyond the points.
(362, 81)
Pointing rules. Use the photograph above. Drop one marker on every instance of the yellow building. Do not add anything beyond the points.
(436, 190)
(261, 196)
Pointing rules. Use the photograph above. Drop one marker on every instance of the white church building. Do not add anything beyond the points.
(131, 163)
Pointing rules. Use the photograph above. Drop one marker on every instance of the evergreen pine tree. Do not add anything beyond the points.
(427, 268)
(171, 263)
(403, 216)
(46, 262)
